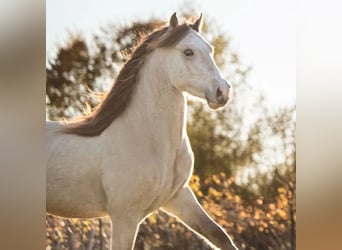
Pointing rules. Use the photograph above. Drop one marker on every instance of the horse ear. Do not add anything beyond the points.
(174, 20)
(198, 24)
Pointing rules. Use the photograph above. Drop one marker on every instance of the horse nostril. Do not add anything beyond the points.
(218, 93)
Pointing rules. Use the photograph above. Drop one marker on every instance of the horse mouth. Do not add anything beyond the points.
(219, 104)
(214, 105)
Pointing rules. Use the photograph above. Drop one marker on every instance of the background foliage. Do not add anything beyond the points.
(245, 153)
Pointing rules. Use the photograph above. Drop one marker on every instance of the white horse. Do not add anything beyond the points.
(132, 156)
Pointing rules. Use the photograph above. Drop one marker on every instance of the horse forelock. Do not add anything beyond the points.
(119, 96)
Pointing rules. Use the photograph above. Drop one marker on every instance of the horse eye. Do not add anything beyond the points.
(188, 52)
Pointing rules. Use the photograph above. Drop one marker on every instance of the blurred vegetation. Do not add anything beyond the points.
(244, 154)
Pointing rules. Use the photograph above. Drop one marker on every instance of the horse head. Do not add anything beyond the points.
(191, 67)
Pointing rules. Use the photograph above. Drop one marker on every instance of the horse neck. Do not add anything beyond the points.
(165, 105)
(157, 108)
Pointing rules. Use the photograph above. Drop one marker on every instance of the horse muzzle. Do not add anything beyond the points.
(221, 97)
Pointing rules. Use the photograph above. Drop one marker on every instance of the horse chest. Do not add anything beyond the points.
(175, 175)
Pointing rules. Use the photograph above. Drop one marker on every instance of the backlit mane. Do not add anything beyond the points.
(118, 98)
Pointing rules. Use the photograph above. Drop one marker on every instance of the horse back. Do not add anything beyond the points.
(73, 175)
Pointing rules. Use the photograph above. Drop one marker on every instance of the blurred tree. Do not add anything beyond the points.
(79, 68)
(69, 76)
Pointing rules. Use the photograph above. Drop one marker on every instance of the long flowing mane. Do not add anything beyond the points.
(118, 98)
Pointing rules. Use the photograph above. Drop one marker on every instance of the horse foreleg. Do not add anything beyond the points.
(185, 206)
(124, 231)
